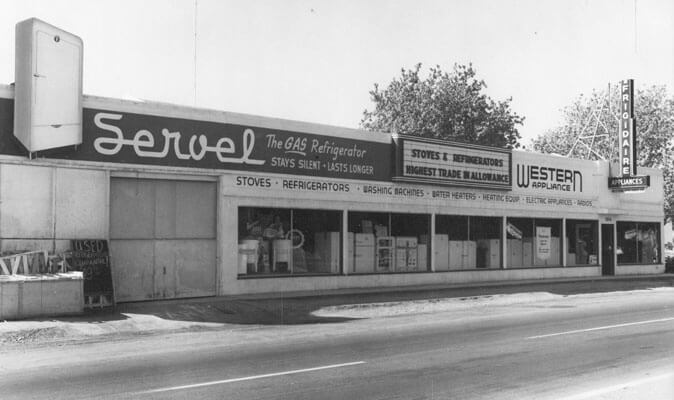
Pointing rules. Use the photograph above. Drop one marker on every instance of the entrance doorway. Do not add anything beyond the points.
(607, 250)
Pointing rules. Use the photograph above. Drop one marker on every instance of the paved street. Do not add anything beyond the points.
(523, 346)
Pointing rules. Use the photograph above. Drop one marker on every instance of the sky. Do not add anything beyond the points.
(317, 60)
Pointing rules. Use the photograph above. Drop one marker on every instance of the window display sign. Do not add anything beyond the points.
(543, 242)
(458, 164)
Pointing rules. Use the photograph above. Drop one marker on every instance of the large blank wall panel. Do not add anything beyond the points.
(26, 199)
(180, 210)
(192, 198)
(81, 204)
(132, 269)
(132, 211)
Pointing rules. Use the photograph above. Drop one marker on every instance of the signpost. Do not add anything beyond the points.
(628, 130)
(628, 181)
(92, 257)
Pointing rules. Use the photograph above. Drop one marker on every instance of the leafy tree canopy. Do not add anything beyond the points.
(448, 106)
(590, 131)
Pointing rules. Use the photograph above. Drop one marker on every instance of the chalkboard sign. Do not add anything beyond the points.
(92, 257)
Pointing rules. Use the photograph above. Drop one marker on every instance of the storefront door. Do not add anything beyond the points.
(162, 238)
(607, 250)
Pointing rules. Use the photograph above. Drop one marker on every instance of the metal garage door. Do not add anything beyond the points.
(162, 238)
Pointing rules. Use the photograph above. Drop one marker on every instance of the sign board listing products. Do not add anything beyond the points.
(344, 190)
(439, 162)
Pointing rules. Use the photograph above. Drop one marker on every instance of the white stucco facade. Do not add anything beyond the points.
(47, 201)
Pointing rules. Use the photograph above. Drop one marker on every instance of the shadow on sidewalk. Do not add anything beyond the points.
(295, 310)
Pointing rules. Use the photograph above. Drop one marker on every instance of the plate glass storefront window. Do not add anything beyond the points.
(638, 242)
(388, 242)
(467, 242)
(289, 241)
(582, 238)
(533, 242)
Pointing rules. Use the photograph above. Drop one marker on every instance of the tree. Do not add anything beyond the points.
(590, 131)
(450, 106)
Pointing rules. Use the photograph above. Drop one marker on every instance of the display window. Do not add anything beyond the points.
(638, 242)
(467, 242)
(388, 242)
(289, 241)
(533, 242)
(582, 238)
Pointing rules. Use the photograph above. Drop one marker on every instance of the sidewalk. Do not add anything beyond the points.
(237, 312)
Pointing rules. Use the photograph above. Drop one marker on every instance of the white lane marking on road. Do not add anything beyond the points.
(615, 388)
(599, 328)
(248, 378)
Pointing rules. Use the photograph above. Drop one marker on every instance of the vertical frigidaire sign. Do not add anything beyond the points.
(628, 180)
(628, 131)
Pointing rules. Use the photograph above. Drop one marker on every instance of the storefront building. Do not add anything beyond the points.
(204, 203)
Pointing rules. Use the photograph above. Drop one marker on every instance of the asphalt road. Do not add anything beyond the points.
(602, 346)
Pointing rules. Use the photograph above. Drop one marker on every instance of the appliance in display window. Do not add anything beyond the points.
(514, 252)
(422, 257)
(327, 252)
(441, 252)
(488, 253)
(364, 253)
(282, 255)
(462, 254)
(406, 253)
(385, 253)
(456, 254)
(527, 252)
(469, 254)
(350, 252)
(248, 256)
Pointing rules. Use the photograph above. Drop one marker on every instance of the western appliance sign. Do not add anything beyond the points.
(433, 161)
(549, 178)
